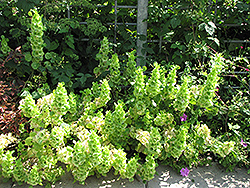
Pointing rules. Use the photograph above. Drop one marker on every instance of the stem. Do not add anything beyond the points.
(220, 99)
(31, 75)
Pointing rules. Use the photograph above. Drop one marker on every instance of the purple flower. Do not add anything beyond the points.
(243, 143)
(241, 47)
(184, 172)
(183, 117)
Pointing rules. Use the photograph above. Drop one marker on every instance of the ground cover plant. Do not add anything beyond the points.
(128, 121)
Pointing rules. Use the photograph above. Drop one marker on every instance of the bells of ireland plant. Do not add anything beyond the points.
(36, 39)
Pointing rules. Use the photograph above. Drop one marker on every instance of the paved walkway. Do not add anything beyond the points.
(203, 177)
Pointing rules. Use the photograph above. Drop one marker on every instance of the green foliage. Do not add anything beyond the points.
(211, 83)
(130, 170)
(106, 161)
(36, 40)
(34, 177)
(117, 134)
(185, 29)
(147, 170)
(7, 163)
(91, 133)
(4, 45)
(189, 30)
(65, 54)
(182, 97)
(18, 172)
(127, 118)
(27, 5)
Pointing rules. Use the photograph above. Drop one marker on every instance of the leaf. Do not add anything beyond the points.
(47, 42)
(83, 79)
(28, 141)
(35, 95)
(150, 50)
(202, 26)
(70, 41)
(7, 13)
(48, 55)
(215, 40)
(53, 45)
(69, 71)
(68, 52)
(26, 5)
(25, 93)
(212, 25)
(178, 45)
(209, 30)
(35, 65)
(189, 37)
(64, 29)
(175, 22)
(154, 104)
(80, 74)
(63, 78)
(28, 56)
(42, 69)
(174, 46)
(88, 75)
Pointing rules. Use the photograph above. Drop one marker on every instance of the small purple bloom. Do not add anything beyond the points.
(243, 143)
(183, 117)
(184, 172)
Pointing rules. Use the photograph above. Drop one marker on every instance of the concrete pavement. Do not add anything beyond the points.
(206, 176)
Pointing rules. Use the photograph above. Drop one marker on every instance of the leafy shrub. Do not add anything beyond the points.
(136, 118)
(71, 58)
(100, 129)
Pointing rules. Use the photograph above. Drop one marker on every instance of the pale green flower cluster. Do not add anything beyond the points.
(147, 170)
(103, 57)
(48, 110)
(222, 148)
(163, 119)
(129, 71)
(176, 145)
(207, 93)
(36, 39)
(4, 45)
(182, 97)
(154, 84)
(115, 127)
(93, 132)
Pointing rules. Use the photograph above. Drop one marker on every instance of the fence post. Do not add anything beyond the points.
(142, 14)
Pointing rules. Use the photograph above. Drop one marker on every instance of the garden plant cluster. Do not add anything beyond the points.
(60, 112)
